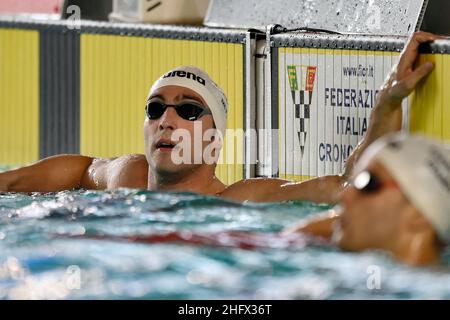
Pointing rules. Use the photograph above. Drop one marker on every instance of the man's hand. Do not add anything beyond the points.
(405, 76)
(386, 117)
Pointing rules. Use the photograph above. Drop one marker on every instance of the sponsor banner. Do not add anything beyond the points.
(325, 101)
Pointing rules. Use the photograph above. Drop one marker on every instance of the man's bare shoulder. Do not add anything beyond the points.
(130, 161)
(128, 171)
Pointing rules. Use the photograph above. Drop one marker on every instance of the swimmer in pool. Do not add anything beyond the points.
(187, 97)
(398, 201)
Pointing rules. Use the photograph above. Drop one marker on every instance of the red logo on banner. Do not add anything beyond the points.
(310, 77)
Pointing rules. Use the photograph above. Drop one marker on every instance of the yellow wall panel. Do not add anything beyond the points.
(446, 98)
(117, 72)
(19, 96)
(430, 109)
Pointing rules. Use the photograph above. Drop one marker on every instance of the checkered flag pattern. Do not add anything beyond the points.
(301, 82)
(302, 103)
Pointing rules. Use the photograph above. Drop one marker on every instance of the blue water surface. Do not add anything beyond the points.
(38, 259)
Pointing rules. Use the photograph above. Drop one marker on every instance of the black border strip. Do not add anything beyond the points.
(137, 30)
(59, 98)
(422, 13)
(274, 65)
(348, 42)
(437, 47)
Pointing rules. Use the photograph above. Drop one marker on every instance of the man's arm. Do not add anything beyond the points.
(62, 172)
(320, 190)
(385, 118)
(67, 172)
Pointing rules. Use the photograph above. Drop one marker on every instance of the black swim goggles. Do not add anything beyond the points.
(368, 183)
(187, 110)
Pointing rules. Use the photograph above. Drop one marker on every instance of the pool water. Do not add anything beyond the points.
(39, 259)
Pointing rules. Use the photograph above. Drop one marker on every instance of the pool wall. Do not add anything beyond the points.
(430, 109)
(19, 96)
(66, 90)
(323, 91)
(84, 91)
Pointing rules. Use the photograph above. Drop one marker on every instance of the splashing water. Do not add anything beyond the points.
(38, 262)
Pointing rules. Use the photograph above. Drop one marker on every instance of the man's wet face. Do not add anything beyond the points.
(370, 217)
(162, 135)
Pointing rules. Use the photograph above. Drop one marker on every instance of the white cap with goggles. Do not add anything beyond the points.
(421, 166)
(199, 81)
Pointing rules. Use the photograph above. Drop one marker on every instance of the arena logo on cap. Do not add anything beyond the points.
(184, 74)
(440, 167)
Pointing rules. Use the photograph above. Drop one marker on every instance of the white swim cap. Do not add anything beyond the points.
(199, 81)
(421, 166)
